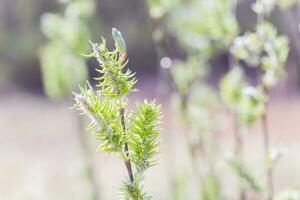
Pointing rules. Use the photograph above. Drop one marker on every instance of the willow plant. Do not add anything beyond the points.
(197, 102)
(63, 68)
(267, 51)
(133, 136)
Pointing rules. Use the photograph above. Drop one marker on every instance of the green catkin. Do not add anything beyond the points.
(132, 135)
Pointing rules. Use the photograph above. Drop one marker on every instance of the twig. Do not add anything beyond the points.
(127, 161)
(239, 147)
(266, 139)
(265, 129)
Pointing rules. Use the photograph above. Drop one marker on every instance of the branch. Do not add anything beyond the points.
(127, 161)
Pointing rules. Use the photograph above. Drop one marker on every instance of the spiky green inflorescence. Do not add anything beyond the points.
(135, 190)
(105, 119)
(143, 136)
(133, 136)
(113, 81)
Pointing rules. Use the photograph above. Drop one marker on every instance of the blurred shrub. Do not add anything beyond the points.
(62, 66)
(204, 26)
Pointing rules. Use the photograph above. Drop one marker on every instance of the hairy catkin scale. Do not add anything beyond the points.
(143, 166)
(84, 105)
(96, 50)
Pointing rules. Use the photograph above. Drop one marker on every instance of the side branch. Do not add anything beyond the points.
(127, 161)
(239, 147)
(266, 138)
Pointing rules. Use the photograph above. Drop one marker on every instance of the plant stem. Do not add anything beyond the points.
(162, 46)
(127, 161)
(266, 139)
(295, 36)
(265, 129)
(238, 139)
(239, 143)
(239, 146)
(89, 169)
(191, 148)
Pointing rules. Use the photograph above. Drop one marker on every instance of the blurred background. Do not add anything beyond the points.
(40, 151)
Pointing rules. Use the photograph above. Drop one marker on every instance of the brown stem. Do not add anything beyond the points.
(266, 138)
(127, 161)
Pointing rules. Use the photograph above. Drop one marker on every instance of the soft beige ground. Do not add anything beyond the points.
(41, 159)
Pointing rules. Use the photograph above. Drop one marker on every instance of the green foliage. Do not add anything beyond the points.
(267, 6)
(114, 82)
(202, 28)
(133, 136)
(247, 102)
(80, 9)
(202, 103)
(105, 119)
(231, 86)
(246, 175)
(143, 135)
(197, 109)
(247, 47)
(184, 74)
(252, 105)
(285, 4)
(62, 66)
(267, 51)
(70, 32)
(159, 8)
(179, 182)
(211, 187)
(134, 191)
(213, 30)
(264, 49)
(59, 74)
(288, 195)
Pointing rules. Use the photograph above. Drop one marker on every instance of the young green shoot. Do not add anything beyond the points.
(133, 136)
